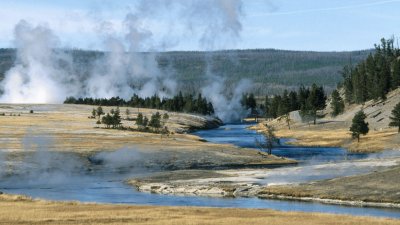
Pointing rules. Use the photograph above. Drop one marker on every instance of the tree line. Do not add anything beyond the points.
(373, 77)
(178, 103)
(307, 99)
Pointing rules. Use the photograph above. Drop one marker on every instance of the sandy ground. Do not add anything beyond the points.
(21, 210)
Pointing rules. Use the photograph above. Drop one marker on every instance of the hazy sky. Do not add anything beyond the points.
(320, 25)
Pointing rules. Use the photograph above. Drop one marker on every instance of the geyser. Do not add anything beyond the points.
(44, 73)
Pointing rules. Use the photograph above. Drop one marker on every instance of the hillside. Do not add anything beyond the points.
(271, 70)
(334, 131)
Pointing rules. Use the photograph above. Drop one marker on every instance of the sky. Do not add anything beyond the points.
(315, 25)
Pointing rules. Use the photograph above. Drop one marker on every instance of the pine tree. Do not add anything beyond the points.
(94, 113)
(294, 102)
(251, 102)
(284, 105)
(347, 83)
(155, 120)
(107, 120)
(337, 103)
(165, 119)
(267, 107)
(100, 111)
(116, 118)
(359, 126)
(396, 74)
(395, 118)
(145, 121)
(316, 101)
(139, 119)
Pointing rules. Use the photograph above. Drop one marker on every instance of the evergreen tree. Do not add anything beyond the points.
(94, 113)
(347, 83)
(284, 105)
(127, 113)
(337, 103)
(396, 74)
(359, 126)
(267, 107)
(116, 118)
(145, 121)
(165, 119)
(107, 120)
(100, 111)
(315, 101)
(294, 102)
(139, 119)
(155, 120)
(395, 118)
(275, 105)
(251, 102)
(210, 108)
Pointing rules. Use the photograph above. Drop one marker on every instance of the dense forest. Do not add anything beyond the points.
(179, 103)
(307, 99)
(271, 70)
(373, 77)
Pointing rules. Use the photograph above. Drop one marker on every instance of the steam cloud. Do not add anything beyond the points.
(41, 164)
(36, 77)
(44, 73)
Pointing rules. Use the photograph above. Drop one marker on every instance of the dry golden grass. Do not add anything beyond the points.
(336, 135)
(17, 210)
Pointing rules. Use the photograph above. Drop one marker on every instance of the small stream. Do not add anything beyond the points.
(106, 187)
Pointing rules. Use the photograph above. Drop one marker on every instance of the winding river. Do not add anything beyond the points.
(108, 187)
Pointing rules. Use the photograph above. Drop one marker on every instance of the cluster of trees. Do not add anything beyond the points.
(307, 99)
(248, 101)
(157, 122)
(373, 77)
(179, 103)
(113, 120)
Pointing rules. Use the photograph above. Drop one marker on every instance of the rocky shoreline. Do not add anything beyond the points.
(241, 190)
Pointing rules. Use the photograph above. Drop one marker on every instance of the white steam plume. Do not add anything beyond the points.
(228, 109)
(36, 76)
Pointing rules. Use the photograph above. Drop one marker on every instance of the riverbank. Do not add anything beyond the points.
(334, 131)
(68, 128)
(376, 189)
(22, 210)
(334, 134)
(380, 188)
(254, 182)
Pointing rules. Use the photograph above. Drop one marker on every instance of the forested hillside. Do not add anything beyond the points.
(374, 77)
(271, 70)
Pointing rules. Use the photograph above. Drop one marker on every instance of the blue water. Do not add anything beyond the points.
(109, 188)
(237, 134)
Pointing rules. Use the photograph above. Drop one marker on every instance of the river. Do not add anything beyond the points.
(103, 187)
